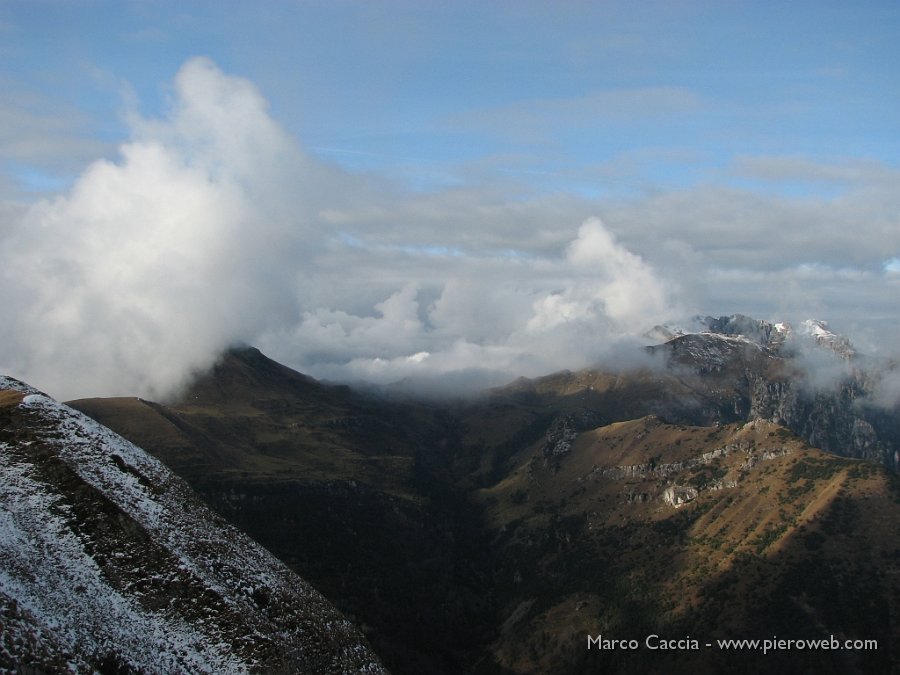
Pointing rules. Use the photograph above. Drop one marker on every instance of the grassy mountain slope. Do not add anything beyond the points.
(494, 535)
(735, 531)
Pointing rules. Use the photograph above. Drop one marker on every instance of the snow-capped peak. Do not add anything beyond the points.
(772, 335)
(820, 332)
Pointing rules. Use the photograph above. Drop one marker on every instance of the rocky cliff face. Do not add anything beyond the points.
(833, 420)
(108, 562)
(808, 379)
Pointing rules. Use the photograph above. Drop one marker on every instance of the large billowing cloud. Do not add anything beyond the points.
(212, 228)
(153, 263)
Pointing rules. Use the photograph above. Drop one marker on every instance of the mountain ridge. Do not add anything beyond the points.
(775, 335)
(548, 509)
(111, 562)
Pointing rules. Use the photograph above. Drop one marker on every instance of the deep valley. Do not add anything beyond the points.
(495, 534)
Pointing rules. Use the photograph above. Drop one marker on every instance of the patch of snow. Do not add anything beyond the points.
(823, 336)
(47, 570)
(12, 383)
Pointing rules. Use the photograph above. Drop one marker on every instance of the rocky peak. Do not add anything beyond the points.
(819, 332)
(756, 330)
(778, 336)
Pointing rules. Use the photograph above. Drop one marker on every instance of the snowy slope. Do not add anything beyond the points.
(776, 336)
(824, 337)
(108, 560)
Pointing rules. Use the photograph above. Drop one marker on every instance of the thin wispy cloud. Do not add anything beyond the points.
(848, 172)
(540, 120)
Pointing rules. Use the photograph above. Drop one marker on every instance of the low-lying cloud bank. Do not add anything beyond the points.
(214, 227)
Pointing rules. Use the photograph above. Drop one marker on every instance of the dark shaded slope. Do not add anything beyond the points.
(350, 490)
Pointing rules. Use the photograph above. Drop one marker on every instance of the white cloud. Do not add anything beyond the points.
(610, 287)
(805, 170)
(153, 263)
(213, 227)
(206, 231)
(628, 288)
(490, 317)
(887, 388)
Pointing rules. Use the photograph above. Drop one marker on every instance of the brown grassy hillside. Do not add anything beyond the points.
(495, 535)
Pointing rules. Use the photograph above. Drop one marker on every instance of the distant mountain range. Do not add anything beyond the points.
(778, 336)
(741, 485)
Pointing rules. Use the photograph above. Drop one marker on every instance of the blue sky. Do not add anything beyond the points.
(451, 159)
(591, 97)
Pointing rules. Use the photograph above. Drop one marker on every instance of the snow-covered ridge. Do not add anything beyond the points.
(108, 555)
(777, 335)
(824, 337)
(12, 384)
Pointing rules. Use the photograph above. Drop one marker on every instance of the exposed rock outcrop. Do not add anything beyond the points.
(676, 495)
